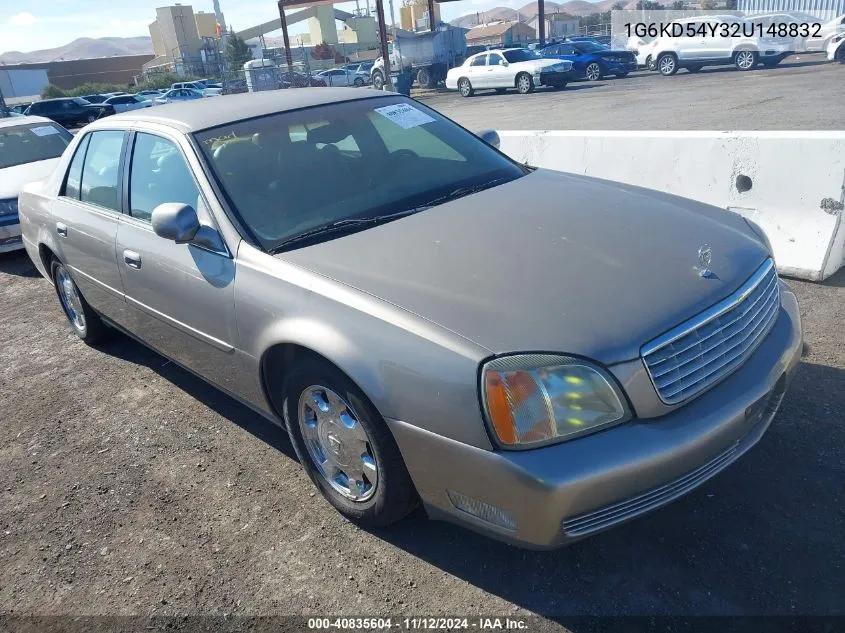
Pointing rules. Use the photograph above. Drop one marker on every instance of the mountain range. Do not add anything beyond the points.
(83, 48)
(577, 8)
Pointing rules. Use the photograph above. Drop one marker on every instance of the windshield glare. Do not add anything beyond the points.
(292, 172)
(520, 55)
(31, 143)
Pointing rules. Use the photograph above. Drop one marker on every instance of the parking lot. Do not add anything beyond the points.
(130, 486)
(802, 93)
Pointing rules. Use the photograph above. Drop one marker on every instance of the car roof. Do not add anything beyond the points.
(193, 116)
(24, 120)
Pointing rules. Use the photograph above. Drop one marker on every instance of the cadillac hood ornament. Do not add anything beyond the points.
(705, 256)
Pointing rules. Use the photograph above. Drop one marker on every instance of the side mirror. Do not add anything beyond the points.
(490, 137)
(505, 62)
(175, 221)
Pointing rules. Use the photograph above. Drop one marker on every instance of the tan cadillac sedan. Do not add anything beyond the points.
(534, 355)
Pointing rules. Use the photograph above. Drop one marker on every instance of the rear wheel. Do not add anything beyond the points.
(593, 71)
(667, 64)
(424, 78)
(745, 60)
(358, 82)
(86, 323)
(465, 87)
(345, 446)
(378, 80)
(524, 83)
(91, 118)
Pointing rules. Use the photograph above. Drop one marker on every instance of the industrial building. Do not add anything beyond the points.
(558, 25)
(414, 16)
(500, 34)
(68, 74)
(822, 9)
(184, 41)
(22, 85)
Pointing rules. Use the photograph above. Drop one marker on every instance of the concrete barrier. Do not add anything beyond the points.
(791, 183)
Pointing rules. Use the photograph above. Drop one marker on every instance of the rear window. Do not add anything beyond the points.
(31, 143)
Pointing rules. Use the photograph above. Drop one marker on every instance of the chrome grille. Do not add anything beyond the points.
(699, 353)
(634, 506)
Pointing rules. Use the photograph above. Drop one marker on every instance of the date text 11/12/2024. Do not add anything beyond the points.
(418, 624)
(723, 29)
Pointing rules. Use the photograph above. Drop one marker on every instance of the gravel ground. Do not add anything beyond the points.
(804, 92)
(130, 487)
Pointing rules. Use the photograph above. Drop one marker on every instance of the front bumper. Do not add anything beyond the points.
(561, 493)
(616, 68)
(10, 233)
(556, 78)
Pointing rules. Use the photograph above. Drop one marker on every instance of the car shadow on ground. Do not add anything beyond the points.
(17, 263)
(762, 537)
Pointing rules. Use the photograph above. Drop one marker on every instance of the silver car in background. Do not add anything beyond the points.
(30, 148)
(535, 355)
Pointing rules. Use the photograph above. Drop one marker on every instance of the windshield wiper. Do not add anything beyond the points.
(460, 192)
(341, 226)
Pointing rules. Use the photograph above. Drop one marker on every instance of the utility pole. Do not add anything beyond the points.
(541, 24)
(382, 28)
(288, 56)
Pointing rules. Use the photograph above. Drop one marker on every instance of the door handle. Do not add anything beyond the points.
(61, 229)
(131, 259)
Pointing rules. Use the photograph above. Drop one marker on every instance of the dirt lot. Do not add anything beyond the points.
(799, 94)
(130, 487)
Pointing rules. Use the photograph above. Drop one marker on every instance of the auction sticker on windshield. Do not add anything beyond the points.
(45, 130)
(404, 115)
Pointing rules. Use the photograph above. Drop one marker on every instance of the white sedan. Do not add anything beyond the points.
(501, 69)
(342, 77)
(125, 103)
(836, 49)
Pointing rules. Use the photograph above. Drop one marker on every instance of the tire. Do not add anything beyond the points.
(358, 82)
(649, 63)
(385, 492)
(465, 87)
(91, 118)
(84, 321)
(840, 54)
(378, 80)
(524, 83)
(667, 64)
(694, 68)
(746, 60)
(593, 71)
(424, 78)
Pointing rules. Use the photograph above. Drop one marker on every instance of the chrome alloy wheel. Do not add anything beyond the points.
(593, 72)
(745, 59)
(523, 84)
(337, 443)
(667, 65)
(71, 301)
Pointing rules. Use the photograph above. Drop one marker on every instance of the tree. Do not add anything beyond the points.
(236, 53)
(52, 92)
(323, 50)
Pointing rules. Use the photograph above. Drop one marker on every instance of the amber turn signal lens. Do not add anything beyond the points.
(498, 408)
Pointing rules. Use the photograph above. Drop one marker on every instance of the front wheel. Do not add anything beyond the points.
(465, 87)
(745, 60)
(345, 447)
(524, 83)
(840, 54)
(378, 80)
(667, 64)
(593, 71)
(86, 323)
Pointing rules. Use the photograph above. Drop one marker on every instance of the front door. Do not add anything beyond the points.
(498, 75)
(180, 296)
(85, 218)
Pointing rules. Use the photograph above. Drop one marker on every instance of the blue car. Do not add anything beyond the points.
(177, 95)
(592, 61)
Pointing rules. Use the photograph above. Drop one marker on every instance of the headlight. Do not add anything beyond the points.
(8, 206)
(535, 399)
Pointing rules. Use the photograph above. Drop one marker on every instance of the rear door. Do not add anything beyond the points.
(477, 72)
(86, 214)
(180, 296)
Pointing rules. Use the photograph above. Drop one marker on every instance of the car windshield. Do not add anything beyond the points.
(30, 143)
(290, 173)
(589, 47)
(520, 55)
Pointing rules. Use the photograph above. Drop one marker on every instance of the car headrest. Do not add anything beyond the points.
(331, 133)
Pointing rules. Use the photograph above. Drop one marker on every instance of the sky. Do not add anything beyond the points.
(52, 23)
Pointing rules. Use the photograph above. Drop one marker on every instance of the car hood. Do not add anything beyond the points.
(12, 179)
(532, 64)
(549, 262)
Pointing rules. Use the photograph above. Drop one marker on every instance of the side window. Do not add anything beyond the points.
(101, 173)
(158, 173)
(494, 60)
(567, 49)
(74, 173)
(481, 60)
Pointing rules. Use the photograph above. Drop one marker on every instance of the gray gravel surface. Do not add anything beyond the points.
(803, 93)
(128, 486)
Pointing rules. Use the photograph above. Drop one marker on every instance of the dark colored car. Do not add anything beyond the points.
(70, 111)
(94, 98)
(591, 60)
(300, 80)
